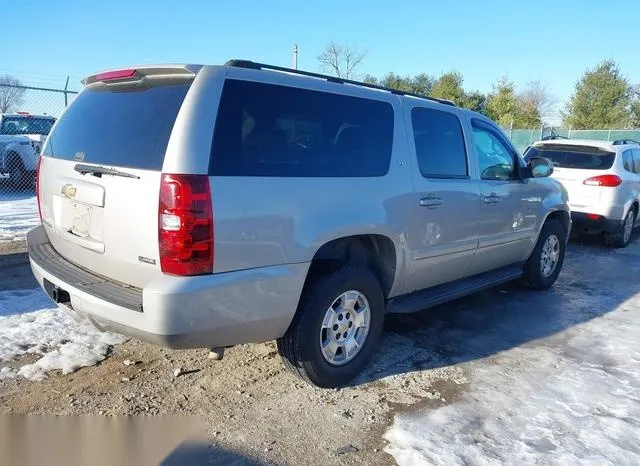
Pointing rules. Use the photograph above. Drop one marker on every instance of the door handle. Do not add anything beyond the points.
(431, 201)
(492, 198)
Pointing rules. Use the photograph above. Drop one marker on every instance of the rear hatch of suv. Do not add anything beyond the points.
(101, 171)
(582, 170)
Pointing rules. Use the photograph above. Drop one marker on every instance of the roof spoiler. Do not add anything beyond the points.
(141, 73)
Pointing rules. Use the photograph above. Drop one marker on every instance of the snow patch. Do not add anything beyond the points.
(30, 325)
(7, 373)
(19, 215)
(572, 403)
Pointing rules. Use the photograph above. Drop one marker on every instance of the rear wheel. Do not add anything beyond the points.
(620, 238)
(336, 328)
(543, 266)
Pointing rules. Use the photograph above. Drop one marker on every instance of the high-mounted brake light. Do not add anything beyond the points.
(118, 74)
(185, 225)
(607, 181)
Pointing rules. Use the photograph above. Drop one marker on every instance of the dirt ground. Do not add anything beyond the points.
(256, 412)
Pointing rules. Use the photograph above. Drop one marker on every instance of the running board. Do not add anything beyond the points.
(419, 300)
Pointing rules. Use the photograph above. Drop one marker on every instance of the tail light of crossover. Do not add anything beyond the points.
(608, 181)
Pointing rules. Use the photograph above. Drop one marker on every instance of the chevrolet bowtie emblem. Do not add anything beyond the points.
(68, 191)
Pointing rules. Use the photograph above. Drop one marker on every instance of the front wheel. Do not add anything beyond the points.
(543, 266)
(336, 328)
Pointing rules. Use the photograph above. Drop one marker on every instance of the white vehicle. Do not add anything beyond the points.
(21, 138)
(603, 182)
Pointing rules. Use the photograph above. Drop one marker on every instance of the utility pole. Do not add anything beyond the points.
(295, 56)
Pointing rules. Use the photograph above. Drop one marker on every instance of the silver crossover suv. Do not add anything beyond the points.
(209, 206)
(603, 182)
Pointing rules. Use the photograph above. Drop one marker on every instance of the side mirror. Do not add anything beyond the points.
(539, 167)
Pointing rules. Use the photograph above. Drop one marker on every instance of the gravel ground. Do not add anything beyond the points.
(255, 411)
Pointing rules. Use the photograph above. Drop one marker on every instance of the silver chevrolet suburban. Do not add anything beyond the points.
(210, 206)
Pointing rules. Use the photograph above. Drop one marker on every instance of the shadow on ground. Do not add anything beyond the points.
(200, 454)
(594, 281)
(15, 272)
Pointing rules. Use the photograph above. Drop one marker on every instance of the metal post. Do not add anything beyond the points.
(511, 130)
(569, 132)
(66, 85)
(541, 131)
(609, 136)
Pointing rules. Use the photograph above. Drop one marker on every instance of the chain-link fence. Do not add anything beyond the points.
(26, 116)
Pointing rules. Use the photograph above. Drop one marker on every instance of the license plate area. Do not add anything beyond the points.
(81, 223)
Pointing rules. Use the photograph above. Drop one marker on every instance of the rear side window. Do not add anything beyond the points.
(572, 156)
(627, 159)
(439, 143)
(636, 160)
(118, 128)
(270, 130)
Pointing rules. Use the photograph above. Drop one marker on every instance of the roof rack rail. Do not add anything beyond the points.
(620, 142)
(261, 66)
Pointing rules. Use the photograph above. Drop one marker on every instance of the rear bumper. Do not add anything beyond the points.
(226, 309)
(582, 222)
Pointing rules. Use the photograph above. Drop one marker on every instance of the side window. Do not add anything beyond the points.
(636, 161)
(627, 158)
(495, 159)
(280, 131)
(440, 148)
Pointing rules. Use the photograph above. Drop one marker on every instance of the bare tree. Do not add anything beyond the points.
(341, 60)
(10, 96)
(537, 95)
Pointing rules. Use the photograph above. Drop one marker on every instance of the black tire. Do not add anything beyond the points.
(300, 346)
(617, 238)
(17, 173)
(533, 276)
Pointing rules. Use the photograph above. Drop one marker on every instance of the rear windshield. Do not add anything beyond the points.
(270, 130)
(118, 128)
(582, 157)
(26, 125)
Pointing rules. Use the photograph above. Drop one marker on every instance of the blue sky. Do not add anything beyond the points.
(552, 41)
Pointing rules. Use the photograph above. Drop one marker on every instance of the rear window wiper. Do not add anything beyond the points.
(99, 171)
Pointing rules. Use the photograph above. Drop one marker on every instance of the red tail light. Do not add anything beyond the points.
(185, 225)
(38, 185)
(609, 181)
